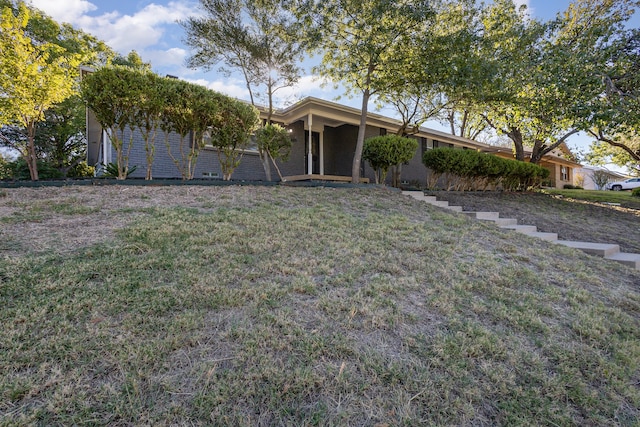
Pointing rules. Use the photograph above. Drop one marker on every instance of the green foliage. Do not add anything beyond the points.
(112, 95)
(385, 151)
(18, 170)
(150, 105)
(111, 170)
(274, 142)
(5, 168)
(635, 192)
(132, 60)
(82, 170)
(231, 132)
(190, 110)
(469, 169)
(617, 149)
(369, 46)
(34, 76)
(258, 38)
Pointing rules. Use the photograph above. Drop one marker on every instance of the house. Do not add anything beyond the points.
(324, 139)
(560, 162)
(588, 177)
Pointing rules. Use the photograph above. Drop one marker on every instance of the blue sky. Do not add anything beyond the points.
(149, 27)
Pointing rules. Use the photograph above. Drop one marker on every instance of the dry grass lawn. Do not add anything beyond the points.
(261, 306)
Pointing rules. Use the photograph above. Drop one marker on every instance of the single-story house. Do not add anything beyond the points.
(324, 140)
(586, 177)
(560, 162)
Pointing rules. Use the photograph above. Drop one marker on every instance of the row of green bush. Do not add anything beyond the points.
(18, 170)
(635, 192)
(471, 170)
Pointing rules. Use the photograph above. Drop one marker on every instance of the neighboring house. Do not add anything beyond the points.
(589, 181)
(324, 139)
(560, 162)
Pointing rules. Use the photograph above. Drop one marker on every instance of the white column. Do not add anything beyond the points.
(309, 151)
(321, 153)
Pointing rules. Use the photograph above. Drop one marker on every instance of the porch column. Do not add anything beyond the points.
(321, 152)
(309, 151)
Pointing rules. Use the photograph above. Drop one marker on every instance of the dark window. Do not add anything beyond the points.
(383, 131)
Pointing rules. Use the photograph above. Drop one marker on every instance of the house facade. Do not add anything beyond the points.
(324, 140)
(587, 177)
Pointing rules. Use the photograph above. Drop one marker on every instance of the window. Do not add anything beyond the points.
(564, 173)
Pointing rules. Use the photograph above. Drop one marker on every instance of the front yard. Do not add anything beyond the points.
(302, 306)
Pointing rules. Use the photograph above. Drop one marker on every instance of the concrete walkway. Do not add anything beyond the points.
(605, 250)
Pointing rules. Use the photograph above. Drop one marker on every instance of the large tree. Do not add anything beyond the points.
(616, 121)
(58, 137)
(616, 150)
(366, 45)
(257, 38)
(34, 76)
(550, 74)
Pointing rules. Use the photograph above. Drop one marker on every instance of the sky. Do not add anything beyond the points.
(150, 28)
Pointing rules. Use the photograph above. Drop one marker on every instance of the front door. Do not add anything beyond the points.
(315, 154)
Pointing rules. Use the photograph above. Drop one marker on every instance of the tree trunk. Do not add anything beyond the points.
(357, 156)
(537, 152)
(264, 157)
(516, 137)
(396, 173)
(32, 159)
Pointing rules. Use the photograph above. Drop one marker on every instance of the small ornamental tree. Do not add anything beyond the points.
(112, 95)
(231, 133)
(147, 114)
(600, 178)
(274, 142)
(385, 151)
(189, 111)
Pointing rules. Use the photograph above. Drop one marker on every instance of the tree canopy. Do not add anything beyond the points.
(367, 45)
(34, 76)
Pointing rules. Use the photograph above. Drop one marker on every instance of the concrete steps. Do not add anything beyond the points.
(632, 260)
(605, 250)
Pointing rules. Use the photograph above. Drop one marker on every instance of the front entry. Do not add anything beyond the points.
(315, 154)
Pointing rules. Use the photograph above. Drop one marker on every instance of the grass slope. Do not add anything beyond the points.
(307, 306)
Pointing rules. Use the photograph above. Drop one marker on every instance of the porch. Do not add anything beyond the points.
(319, 177)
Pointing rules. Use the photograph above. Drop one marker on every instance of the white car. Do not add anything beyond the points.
(628, 184)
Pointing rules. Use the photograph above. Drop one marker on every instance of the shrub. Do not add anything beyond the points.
(467, 169)
(81, 170)
(385, 151)
(19, 170)
(111, 170)
(636, 192)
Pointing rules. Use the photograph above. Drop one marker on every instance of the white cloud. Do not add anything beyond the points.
(143, 29)
(232, 87)
(64, 10)
(173, 57)
(307, 86)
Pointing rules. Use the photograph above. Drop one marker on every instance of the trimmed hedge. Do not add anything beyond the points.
(385, 151)
(472, 170)
(635, 192)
